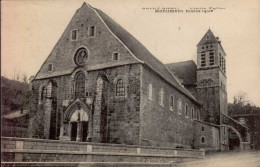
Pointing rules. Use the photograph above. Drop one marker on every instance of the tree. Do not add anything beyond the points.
(241, 99)
(25, 79)
(14, 95)
(241, 105)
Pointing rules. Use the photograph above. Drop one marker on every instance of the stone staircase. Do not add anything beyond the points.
(39, 152)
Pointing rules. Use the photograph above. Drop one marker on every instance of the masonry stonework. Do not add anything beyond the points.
(206, 136)
(162, 126)
(95, 86)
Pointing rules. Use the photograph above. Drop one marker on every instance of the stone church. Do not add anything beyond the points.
(100, 84)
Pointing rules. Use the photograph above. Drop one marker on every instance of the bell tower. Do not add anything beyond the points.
(211, 78)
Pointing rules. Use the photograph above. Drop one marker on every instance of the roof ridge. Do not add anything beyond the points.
(180, 62)
(180, 83)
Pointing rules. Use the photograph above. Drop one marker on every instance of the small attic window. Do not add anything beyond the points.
(115, 56)
(92, 31)
(74, 35)
(49, 67)
(202, 128)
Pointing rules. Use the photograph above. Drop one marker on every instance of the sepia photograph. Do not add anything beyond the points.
(151, 83)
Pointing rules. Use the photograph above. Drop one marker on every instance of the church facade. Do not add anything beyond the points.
(100, 84)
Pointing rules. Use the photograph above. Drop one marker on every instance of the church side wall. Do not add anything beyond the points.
(161, 126)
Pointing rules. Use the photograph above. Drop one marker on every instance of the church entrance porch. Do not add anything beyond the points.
(76, 122)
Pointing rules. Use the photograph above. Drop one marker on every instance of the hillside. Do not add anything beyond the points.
(14, 95)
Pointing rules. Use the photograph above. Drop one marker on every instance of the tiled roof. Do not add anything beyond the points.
(142, 53)
(186, 71)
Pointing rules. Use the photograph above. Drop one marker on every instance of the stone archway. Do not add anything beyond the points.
(77, 122)
(237, 134)
(240, 130)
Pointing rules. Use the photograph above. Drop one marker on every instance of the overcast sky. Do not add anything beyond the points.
(30, 29)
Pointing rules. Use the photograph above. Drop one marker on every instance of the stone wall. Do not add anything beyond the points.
(120, 116)
(209, 132)
(40, 150)
(122, 113)
(45, 115)
(15, 127)
(161, 126)
(100, 47)
(212, 96)
(88, 164)
(209, 95)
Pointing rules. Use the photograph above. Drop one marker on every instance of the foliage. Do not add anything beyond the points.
(14, 95)
(241, 105)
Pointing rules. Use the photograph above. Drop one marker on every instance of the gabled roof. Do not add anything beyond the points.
(137, 50)
(62, 55)
(208, 38)
(186, 71)
(142, 53)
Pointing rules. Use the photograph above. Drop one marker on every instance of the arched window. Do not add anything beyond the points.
(80, 84)
(161, 96)
(186, 110)
(120, 88)
(81, 56)
(171, 102)
(179, 105)
(192, 112)
(150, 96)
(43, 93)
(202, 128)
(49, 91)
(196, 114)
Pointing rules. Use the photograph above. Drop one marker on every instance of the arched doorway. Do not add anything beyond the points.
(79, 125)
(233, 140)
(76, 124)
